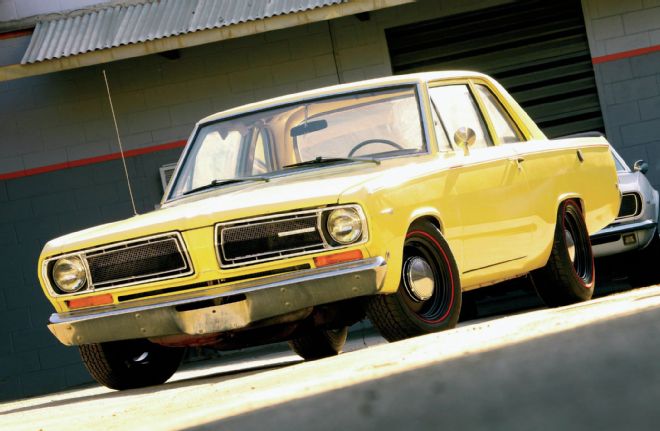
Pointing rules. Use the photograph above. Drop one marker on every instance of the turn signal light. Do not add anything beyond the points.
(90, 301)
(345, 256)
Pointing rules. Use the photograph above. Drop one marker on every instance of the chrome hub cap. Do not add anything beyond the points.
(418, 278)
(570, 245)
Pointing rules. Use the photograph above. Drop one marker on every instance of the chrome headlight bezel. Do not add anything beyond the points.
(345, 225)
(71, 266)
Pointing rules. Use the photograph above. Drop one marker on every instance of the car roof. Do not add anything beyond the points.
(408, 79)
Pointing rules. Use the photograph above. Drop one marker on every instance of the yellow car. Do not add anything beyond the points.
(292, 218)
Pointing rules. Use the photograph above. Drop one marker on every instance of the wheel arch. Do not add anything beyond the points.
(395, 247)
(570, 196)
(427, 214)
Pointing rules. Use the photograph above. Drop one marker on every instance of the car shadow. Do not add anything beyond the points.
(174, 384)
(613, 275)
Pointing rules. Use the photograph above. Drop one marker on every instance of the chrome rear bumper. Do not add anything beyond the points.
(196, 313)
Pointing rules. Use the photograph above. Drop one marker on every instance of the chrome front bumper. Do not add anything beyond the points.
(624, 228)
(195, 313)
(610, 240)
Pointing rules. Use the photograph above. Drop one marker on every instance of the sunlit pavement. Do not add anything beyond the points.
(595, 365)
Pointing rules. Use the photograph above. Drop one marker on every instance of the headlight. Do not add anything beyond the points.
(69, 274)
(344, 225)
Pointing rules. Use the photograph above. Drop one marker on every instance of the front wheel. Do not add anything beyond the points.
(130, 364)
(320, 343)
(429, 295)
(569, 275)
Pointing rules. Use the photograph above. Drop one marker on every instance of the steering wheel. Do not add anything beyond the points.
(374, 141)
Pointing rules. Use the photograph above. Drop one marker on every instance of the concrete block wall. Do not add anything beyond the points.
(61, 118)
(33, 210)
(53, 120)
(624, 38)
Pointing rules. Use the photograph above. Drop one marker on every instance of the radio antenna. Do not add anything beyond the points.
(121, 148)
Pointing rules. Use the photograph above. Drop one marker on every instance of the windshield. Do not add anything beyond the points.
(373, 125)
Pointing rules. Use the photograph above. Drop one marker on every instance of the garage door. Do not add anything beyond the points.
(537, 49)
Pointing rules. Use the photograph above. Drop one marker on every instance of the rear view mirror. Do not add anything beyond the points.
(465, 137)
(641, 166)
(308, 127)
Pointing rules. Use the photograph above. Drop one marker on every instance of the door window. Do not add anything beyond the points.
(505, 128)
(457, 108)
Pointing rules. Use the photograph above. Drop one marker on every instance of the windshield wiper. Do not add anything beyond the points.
(219, 182)
(325, 160)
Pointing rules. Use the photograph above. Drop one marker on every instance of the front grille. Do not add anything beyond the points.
(631, 205)
(250, 241)
(261, 239)
(141, 260)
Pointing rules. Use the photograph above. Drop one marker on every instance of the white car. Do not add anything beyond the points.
(636, 225)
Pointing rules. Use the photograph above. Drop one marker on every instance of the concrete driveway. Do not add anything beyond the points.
(594, 365)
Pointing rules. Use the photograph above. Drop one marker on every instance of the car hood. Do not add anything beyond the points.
(307, 188)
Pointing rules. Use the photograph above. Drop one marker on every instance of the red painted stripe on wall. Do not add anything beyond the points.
(625, 54)
(91, 160)
(14, 34)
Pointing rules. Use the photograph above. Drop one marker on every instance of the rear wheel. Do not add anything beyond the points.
(320, 343)
(569, 275)
(131, 363)
(429, 295)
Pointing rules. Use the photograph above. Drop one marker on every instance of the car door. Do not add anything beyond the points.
(490, 183)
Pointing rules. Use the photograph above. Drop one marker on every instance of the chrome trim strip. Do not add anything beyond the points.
(239, 288)
(626, 227)
(296, 232)
(82, 254)
(282, 254)
(494, 264)
(423, 110)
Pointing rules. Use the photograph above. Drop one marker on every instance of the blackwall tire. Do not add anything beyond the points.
(130, 364)
(569, 276)
(429, 295)
(320, 343)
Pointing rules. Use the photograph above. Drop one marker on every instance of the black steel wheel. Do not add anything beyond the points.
(320, 343)
(130, 364)
(569, 276)
(429, 295)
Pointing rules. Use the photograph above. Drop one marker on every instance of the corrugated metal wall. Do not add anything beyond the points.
(118, 25)
(537, 49)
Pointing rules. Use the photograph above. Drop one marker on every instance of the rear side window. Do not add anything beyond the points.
(457, 108)
(505, 127)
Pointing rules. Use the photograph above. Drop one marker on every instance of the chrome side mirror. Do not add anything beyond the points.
(641, 166)
(465, 137)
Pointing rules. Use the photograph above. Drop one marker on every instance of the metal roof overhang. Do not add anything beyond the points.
(175, 35)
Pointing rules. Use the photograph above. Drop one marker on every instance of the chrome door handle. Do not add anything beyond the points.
(518, 161)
